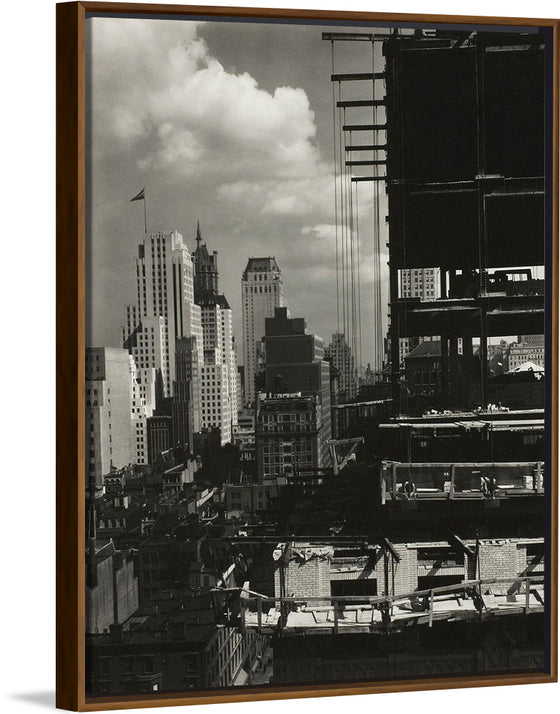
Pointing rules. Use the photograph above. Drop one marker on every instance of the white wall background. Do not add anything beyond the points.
(27, 285)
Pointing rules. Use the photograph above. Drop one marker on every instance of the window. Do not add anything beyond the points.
(191, 663)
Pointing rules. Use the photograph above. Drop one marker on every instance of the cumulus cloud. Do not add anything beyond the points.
(156, 87)
(305, 196)
(208, 141)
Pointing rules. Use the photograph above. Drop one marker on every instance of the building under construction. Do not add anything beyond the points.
(411, 543)
(427, 556)
(466, 176)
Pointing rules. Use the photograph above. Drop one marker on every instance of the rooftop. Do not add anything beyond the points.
(426, 349)
(261, 265)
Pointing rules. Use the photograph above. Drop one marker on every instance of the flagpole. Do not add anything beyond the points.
(142, 197)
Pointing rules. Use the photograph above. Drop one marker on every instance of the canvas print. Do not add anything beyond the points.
(317, 376)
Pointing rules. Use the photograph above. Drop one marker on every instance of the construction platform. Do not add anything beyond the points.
(470, 600)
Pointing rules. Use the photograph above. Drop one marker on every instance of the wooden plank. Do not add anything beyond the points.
(455, 540)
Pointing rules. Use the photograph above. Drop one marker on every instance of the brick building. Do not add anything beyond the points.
(303, 569)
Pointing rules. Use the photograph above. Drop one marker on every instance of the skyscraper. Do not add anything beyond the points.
(261, 294)
(165, 308)
(218, 369)
(294, 415)
(342, 359)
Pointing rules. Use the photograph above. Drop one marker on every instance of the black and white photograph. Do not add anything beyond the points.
(318, 352)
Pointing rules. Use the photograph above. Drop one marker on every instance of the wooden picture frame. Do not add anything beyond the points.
(71, 187)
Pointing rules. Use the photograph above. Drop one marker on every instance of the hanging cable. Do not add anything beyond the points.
(378, 319)
(335, 192)
(342, 218)
(359, 355)
(352, 269)
(346, 241)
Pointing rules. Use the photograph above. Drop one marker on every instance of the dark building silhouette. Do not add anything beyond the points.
(160, 433)
(294, 413)
(423, 368)
(218, 371)
(465, 190)
(185, 405)
(205, 268)
(180, 651)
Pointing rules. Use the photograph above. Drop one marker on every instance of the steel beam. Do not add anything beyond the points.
(364, 127)
(357, 179)
(373, 162)
(367, 147)
(356, 77)
(361, 103)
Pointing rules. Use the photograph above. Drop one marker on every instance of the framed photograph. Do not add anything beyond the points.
(306, 353)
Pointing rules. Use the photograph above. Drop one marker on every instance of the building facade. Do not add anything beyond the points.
(218, 372)
(290, 435)
(261, 294)
(294, 411)
(423, 368)
(111, 586)
(165, 308)
(422, 283)
(186, 393)
(109, 399)
(143, 386)
(522, 352)
(340, 356)
(176, 655)
(160, 434)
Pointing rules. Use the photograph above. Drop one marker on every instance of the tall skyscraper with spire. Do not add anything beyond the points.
(261, 294)
(218, 369)
(165, 309)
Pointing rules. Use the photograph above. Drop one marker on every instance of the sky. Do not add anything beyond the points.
(229, 124)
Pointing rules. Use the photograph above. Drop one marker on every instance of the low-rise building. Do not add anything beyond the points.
(171, 652)
(522, 352)
(248, 498)
(111, 586)
(289, 434)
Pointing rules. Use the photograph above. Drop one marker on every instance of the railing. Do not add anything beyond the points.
(406, 481)
(422, 604)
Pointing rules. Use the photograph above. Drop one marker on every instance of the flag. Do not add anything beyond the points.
(139, 197)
